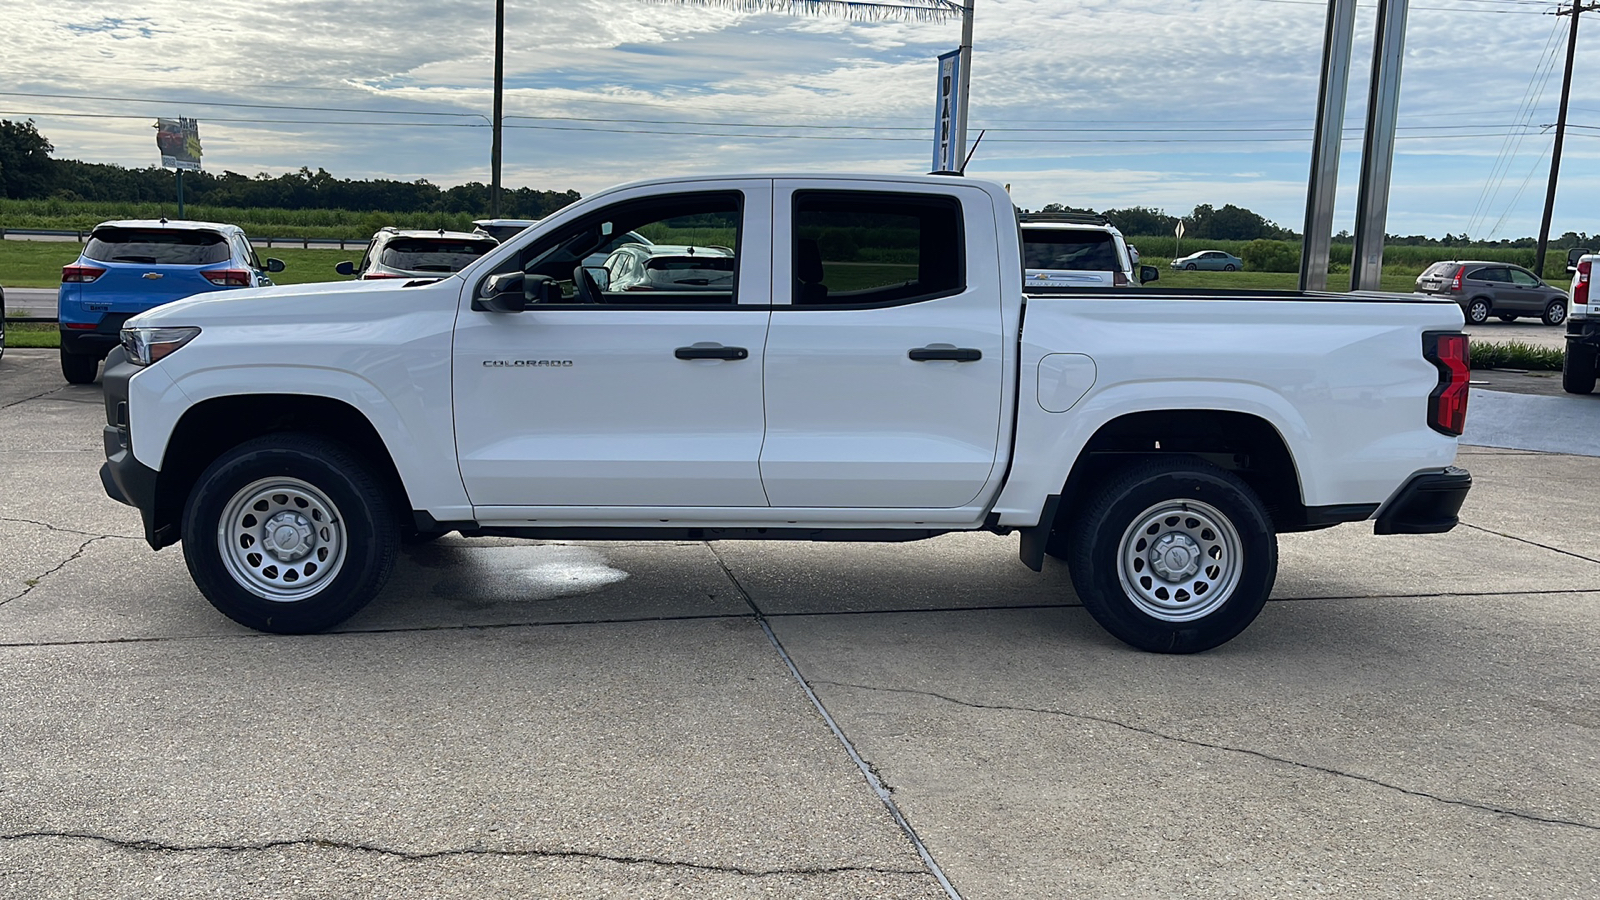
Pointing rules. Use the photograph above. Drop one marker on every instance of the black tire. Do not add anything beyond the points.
(2, 324)
(1478, 310)
(1191, 267)
(1228, 268)
(1555, 312)
(1200, 513)
(1578, 372)
(1506, 317)
(346, 531)
(79, 368)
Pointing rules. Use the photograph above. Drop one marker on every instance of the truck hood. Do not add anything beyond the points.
(285, 304)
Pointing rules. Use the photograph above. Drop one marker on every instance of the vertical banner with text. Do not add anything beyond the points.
(947, 115)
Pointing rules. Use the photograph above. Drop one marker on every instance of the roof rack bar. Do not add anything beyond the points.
(1083, 218)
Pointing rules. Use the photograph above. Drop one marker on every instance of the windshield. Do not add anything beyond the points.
(157, 246)
(432, 254)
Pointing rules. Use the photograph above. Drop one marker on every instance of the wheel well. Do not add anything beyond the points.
(211, 428)
(1246, 445)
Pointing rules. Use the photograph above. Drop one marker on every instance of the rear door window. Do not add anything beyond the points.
(157, 246)
(433, 254)
(1490, 273)
(1523, 278)
(876, 248)
(1078, 251)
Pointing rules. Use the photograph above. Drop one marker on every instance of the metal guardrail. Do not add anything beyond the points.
(46, 234)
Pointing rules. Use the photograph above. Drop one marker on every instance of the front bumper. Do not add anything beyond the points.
(1428, 503)
(125, 479)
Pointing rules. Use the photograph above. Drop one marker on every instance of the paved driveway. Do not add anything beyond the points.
(1410, 717)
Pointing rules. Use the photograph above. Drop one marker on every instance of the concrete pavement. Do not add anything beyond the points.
(1409, 716)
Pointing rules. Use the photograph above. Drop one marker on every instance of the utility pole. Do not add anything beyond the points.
(499, 87)
(1574, 11)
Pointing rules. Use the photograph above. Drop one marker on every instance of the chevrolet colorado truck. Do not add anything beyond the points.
(874, 371)
(1578, 371)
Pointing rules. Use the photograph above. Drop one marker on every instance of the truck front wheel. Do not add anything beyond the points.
(289, 533)
(1174, 555)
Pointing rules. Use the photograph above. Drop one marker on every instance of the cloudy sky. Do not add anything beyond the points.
(1093, 103)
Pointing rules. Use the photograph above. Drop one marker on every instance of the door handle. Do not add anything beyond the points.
(959, 354)
(711, 352)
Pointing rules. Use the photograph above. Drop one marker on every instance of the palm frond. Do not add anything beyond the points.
(915, 11)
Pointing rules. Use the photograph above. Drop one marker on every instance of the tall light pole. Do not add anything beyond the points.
(499, 89)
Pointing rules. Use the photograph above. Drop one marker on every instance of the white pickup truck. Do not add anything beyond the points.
(1579, 370)
(871, 371)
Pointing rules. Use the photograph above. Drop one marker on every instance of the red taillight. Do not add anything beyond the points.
(1447, 405)
(82, 326)
(80, 274)
(1118, 279)
(1580, 288)
(228, 277)
(1455, 283)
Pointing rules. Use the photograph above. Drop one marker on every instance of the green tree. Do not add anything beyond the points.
(25, 171)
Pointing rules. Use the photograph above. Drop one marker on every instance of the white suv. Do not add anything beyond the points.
(1077, 250)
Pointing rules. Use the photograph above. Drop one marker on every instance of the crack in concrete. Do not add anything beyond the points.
(1151, 732)
(34, 582)
(1532, 542)
(153, 846)
(56, 390)
(48, 526)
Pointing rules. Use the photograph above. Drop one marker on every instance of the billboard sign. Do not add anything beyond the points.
(179, 142)
(947, 115)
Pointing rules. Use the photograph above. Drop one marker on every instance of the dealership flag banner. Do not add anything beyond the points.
(947, 115)
(179, 141)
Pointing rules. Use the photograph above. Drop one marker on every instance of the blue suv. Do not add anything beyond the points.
(130, 266)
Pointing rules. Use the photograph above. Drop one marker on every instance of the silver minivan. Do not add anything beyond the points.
(1486, 288)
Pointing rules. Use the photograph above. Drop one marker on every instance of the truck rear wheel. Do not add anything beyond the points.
(289, 533)
(1174, 555)
(1578, 372)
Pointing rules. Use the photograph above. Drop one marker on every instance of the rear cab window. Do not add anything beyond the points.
(158, 246)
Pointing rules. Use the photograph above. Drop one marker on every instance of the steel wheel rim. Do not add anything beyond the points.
(1180, 560)
(282, 539)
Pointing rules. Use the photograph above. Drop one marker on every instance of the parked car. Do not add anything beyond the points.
(1213, 260)
(875, 373)
(393, 253)
(1077, 250)
(1485, 288)
(669, 267)
(131, 266)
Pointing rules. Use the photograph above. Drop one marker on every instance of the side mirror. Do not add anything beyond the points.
(274, 265)
(345, 268)
(601, 276)
(1148, 274)
(1575, 254)
(513, 292)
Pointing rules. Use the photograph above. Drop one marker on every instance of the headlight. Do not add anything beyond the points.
(147, 345)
